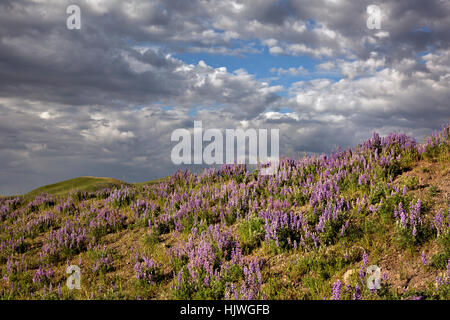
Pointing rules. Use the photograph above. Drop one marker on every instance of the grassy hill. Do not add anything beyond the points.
(313, 230)
(87, 184)
(81, 184)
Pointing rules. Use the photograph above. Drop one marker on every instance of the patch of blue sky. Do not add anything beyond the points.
(311, 24)
(422, 29)
(193, 111)
(421, 54)
(167, 108)
(285, 110)
(162, 106)
(262, 65)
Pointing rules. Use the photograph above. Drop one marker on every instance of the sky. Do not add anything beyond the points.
(104, 99)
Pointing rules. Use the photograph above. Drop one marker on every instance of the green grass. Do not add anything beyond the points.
(149, 183)
(251, 233)
(88, 184)
(83, 184)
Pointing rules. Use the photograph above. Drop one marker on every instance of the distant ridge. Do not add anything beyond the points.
(85, 183)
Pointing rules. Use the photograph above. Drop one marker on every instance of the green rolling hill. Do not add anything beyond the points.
(88, 184)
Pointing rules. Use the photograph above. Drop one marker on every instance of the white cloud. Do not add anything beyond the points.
(48, 115)
(290, 71)
(91, 102)
(276, 50)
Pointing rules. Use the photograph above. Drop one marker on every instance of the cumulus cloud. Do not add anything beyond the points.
(104, 100)
(290, 71)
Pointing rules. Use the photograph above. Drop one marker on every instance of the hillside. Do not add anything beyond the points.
(87, 184)
(309, 232)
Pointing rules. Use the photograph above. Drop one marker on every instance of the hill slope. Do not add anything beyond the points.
(87, 184)
(312, 231)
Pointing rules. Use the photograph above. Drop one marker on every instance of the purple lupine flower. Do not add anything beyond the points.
(337, 286)
(357, 294)
(362, 273)
(365, 259)
(439, 224)
(147, 269)
(448, 270)
(423, 257)
(439, 281)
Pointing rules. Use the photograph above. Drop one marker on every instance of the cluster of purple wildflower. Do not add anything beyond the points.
(102, 221)
(441, 224)
(70, 237)
(146, 269)
(44, 275)
(337, 287)
(144, 210)
(443, 280)
(40, 200)
(7, 206)
(214, 258)
(15, 267)
(40, 224)
(103, 264)
(121, 196)
(409, 220)
(66, 207)
(250, 288)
